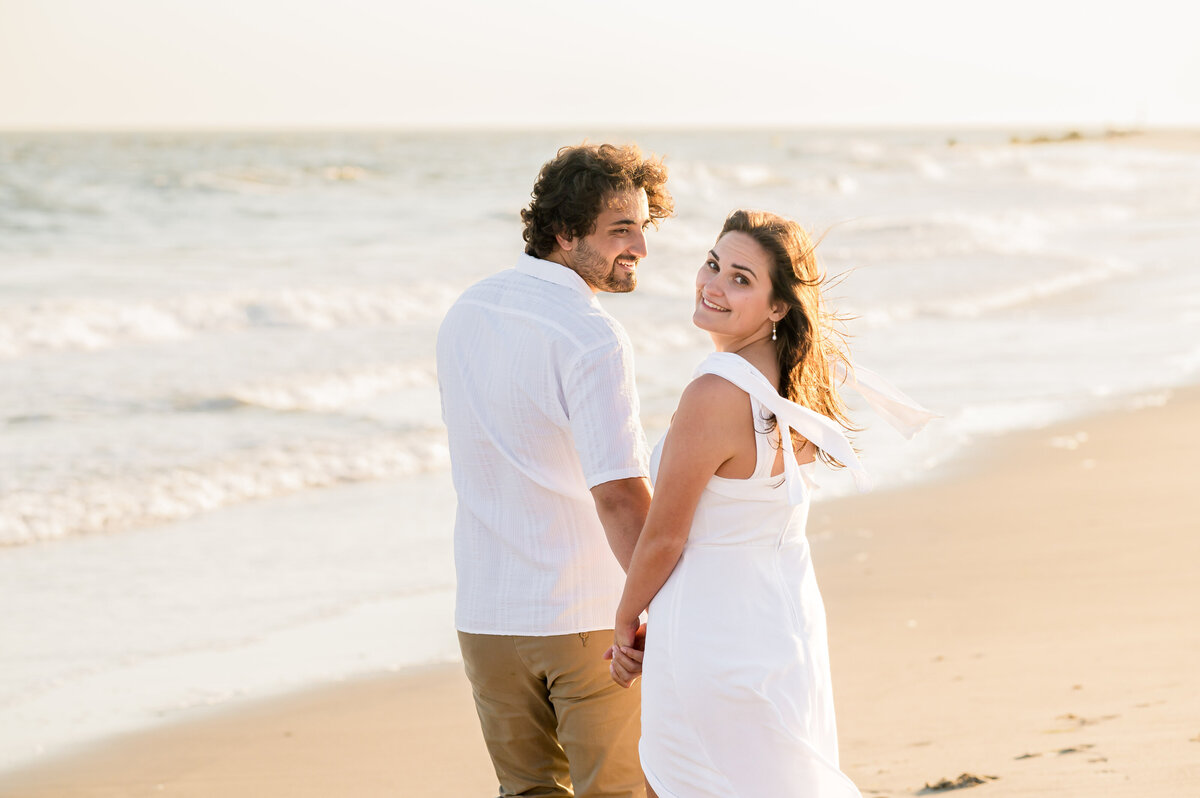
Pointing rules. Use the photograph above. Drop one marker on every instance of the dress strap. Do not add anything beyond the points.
(826, 433)
(764, 440)
(822, 431)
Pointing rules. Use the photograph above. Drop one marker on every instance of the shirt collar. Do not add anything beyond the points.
(553, 273)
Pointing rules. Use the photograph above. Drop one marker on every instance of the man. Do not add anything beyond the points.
(550, 466)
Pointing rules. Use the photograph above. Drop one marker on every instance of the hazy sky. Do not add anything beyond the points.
(344, 63)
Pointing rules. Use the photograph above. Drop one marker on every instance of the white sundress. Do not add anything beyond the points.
(736, 691)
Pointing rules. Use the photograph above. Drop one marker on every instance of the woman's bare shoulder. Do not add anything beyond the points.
(712, 418)
(710, 401)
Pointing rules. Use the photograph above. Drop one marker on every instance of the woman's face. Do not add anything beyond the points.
(733, 291)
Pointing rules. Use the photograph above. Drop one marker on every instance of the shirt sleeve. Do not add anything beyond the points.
(603, 414)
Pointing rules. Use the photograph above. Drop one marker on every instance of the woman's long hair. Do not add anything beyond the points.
(809, 344)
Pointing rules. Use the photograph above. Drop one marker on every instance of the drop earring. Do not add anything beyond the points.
(773, 335)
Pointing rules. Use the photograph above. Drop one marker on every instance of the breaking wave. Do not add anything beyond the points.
(110, 503)
(91, 324)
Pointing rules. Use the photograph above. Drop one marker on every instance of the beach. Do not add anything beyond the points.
(1027, 619)
(226, 493)
(230, 538)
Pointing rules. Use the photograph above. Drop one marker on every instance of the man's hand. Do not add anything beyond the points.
(626, 654)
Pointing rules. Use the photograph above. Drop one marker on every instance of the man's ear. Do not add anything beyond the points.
(565, 243)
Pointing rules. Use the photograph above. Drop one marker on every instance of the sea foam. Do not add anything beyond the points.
(137, 496)
(90, 324)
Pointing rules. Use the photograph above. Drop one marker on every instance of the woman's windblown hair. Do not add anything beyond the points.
(810, 344)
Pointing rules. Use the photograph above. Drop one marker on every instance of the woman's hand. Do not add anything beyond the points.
(626, 652)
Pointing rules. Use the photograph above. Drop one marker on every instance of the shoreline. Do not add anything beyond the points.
(1023, 616)
(316, 664)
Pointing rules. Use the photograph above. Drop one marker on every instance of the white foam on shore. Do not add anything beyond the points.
(91, 324)
(1018, 295)
(94, 503)
(323, 392)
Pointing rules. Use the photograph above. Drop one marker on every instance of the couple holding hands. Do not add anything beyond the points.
(560, 549)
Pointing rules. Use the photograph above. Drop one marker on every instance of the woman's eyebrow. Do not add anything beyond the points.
(717, 258)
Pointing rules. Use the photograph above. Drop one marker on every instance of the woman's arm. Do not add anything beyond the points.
(712, 420)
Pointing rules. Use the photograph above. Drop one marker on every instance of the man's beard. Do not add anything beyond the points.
(601, 274)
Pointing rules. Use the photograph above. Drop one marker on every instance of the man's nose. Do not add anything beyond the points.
(638, 247)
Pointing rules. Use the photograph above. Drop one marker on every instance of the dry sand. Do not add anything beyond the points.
(1032, 617)
(1035, 618)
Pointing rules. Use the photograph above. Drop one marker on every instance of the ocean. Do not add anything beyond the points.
(223, 469)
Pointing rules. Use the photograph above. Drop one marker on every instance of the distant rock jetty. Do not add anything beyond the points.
(1074, 135)
(1062, 138)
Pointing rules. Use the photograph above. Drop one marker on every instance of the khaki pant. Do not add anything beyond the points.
(552, 716)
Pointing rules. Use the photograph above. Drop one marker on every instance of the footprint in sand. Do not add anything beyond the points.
(1078, 749)
(965, 780)
(1075, 749)
(1086, 721)
(1078, 722)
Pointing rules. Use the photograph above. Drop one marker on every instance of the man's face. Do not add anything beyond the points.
(607, 258)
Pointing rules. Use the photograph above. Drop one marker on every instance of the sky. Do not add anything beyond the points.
(537, 63)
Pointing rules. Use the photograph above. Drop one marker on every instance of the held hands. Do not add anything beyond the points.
(629, 643)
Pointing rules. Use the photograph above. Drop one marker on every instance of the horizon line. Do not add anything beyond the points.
(940, 127)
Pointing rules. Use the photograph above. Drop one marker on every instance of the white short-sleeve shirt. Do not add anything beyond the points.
(539, 401)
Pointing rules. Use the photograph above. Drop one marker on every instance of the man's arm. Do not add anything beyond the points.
(622, 505)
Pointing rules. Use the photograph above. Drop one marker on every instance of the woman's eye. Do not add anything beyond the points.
(712, 264)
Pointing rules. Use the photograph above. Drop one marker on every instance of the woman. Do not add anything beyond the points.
(736, 699)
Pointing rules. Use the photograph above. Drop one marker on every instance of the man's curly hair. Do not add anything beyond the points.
(570, 189)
